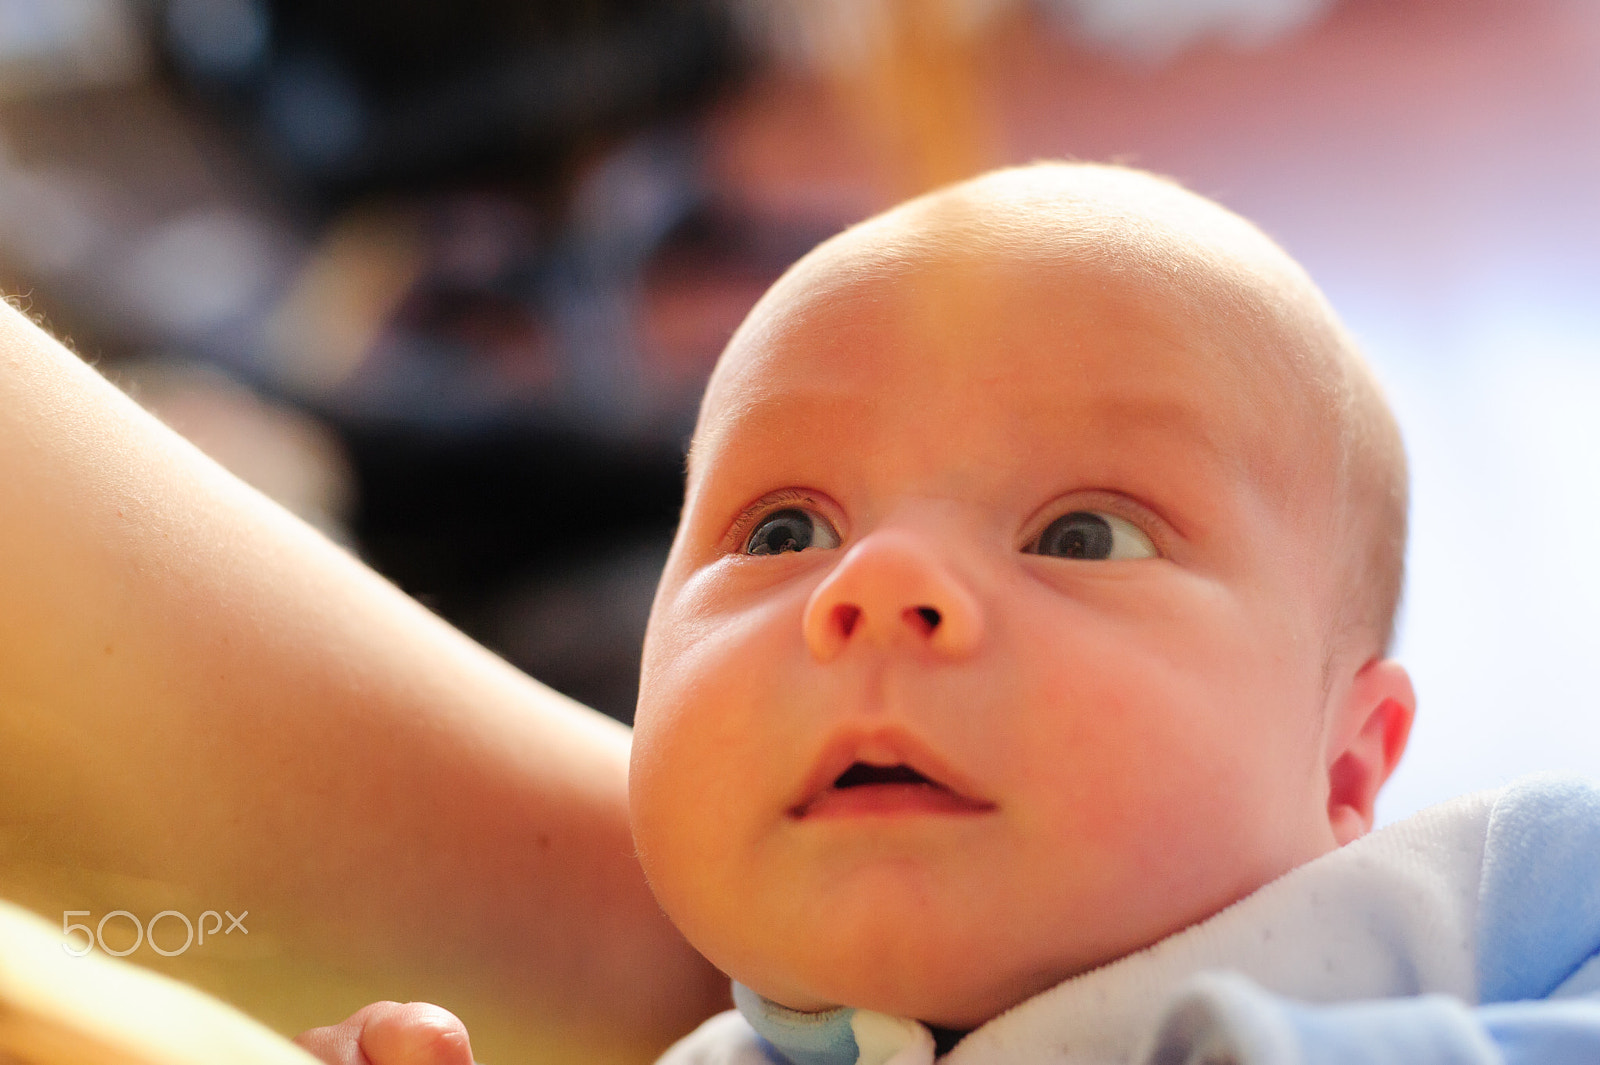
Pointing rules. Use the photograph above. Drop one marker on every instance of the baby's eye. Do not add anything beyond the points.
(790, 529)
(1094, 535)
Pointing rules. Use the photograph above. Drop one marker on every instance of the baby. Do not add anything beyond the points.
(1028, 611)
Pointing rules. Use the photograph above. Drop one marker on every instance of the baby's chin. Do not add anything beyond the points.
(950, 995)
(956, 961)
(958, 1008)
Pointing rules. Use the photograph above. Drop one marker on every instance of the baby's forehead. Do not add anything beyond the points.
(1020, 254)
(1124, 228)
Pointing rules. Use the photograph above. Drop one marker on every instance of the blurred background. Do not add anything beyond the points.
(446, 278)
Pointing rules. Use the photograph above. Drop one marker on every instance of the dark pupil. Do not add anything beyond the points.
(1077, 535)
(787, 530)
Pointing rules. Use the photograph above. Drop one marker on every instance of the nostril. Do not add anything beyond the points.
(928, 616)
(846, 617)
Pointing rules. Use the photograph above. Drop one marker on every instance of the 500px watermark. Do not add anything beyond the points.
(145, 932)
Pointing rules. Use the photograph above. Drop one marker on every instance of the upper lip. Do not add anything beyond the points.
(883, 748)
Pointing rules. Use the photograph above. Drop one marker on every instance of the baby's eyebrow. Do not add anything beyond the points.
(730, 414)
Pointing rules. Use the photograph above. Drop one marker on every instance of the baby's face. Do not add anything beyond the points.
(991, 646)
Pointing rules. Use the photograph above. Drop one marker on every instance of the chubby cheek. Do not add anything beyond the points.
(710, 769)
(1169, 750)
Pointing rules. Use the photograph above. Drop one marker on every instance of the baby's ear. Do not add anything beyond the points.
(1367, 733)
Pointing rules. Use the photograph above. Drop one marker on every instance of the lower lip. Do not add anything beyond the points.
(888, 800)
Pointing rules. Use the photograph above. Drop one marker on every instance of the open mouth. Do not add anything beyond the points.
(862, 775)
(867, 789)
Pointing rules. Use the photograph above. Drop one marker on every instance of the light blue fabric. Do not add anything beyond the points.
(823, 1038)
(1222, 1017)
(1540, 915)
(1538, 964)
(839, 1036)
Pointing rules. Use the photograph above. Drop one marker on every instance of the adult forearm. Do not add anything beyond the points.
(203, 700)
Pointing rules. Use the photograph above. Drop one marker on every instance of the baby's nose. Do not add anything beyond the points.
(892, 589)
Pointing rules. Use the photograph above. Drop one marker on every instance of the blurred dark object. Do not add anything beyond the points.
(578, 627)
(473, 239)
(352, 95)
(528, 540)
(469, 309)
(518, 417)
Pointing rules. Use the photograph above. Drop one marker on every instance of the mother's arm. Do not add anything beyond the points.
(206, 705)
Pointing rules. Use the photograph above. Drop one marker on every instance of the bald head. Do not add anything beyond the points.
(1276, 337)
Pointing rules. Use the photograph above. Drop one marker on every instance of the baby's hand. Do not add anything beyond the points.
(392, 1033)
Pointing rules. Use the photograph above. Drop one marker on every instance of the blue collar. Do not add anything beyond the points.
(838, 1036)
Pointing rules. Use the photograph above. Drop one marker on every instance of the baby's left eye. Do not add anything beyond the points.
(1094, 535)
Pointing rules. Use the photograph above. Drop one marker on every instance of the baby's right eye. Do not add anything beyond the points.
(790, 529)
